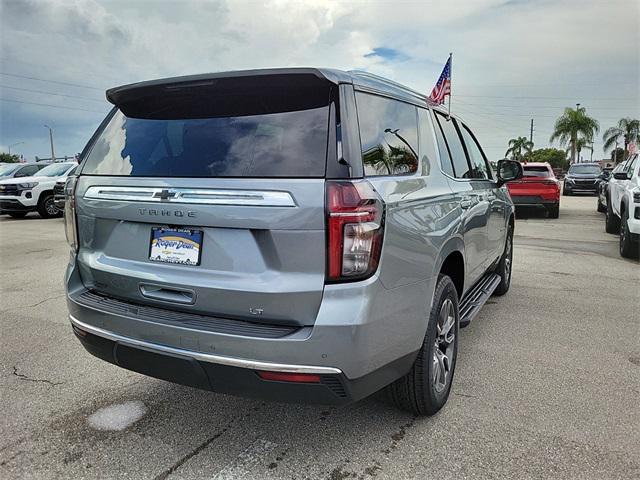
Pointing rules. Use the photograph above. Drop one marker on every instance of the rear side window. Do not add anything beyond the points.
(445, 157)
(278, 144)
(388, 134)
(480, 168)
(536, 171)
(456, 150)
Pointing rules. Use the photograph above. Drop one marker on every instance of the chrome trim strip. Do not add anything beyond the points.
(251, 198)
(205, 357)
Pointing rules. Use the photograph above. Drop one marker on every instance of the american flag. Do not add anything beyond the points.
(443, 85)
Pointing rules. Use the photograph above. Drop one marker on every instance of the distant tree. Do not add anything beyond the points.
(617, 155)
(555, 157)
(627, 131)
(573, 125)
(583, 142)
(9, 158)
(518, 147)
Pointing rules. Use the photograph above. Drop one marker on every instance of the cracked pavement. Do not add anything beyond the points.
(546, 386)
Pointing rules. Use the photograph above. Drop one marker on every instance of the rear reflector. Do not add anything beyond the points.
(289, 377)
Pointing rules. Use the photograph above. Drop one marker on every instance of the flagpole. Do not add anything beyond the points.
(450, 81)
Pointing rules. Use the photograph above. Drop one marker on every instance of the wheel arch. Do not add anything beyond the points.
(451, 261)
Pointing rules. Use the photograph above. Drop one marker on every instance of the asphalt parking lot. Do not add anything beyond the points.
(547, 384)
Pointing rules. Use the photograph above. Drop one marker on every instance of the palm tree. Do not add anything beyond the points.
(572, 125)
(627, 131)
(516, 145)
(583, 142)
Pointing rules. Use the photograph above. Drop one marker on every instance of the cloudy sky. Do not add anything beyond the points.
(513, 59)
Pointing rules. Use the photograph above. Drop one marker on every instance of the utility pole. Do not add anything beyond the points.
(53, 153)
(531, 132)
(13, 145)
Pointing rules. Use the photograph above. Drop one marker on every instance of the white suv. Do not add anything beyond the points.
(19, 196)
(623, 207)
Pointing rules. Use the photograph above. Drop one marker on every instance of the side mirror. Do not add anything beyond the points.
(509, 170)
(620, 176)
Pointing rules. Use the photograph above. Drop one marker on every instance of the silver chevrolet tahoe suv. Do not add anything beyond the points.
(306, 235)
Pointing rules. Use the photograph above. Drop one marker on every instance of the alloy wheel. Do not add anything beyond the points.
(508, 258)
(50, 207)
(443, 352)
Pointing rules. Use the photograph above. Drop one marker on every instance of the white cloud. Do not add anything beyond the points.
(578, 51)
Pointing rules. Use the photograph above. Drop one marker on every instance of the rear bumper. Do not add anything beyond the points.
(358, 342)
(232, 375)
(534, 200)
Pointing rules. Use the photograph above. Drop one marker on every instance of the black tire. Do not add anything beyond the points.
(601, 208)
(628, 248)
(554, 211)
(611, 221)
(17, 214)
(47, 208)
(566, 193)
(419, 391)
(504, 267)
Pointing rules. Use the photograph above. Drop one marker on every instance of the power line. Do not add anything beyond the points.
(51, 81)
(53, 93)
(546, 98)
(52, 106)
(535, 106)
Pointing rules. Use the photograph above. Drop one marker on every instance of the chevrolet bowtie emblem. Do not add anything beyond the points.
(164, 194)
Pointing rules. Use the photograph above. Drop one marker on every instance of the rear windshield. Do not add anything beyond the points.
(536, 172)
(275, 144)
(584, 169)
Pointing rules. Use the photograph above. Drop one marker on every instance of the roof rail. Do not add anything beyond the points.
(373, 76)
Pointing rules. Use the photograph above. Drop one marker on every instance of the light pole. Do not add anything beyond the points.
(53, 153)
(13, 145)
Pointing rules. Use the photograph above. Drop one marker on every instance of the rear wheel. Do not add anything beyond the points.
(17, 214)
(611, 221)
(554, 211)
(628, 248)
(425, 389)
(504, 265)
(47, 208)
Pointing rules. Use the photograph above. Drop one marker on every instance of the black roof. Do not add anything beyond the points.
(364, 80)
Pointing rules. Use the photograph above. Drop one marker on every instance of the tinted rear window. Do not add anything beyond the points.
(536, 172)
(278, 144)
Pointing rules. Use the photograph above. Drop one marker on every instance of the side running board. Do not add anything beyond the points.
(475, 298)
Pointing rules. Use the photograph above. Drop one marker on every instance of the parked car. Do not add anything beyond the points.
(18, 170)
(603, 186)
(623, 207)
(304, 235)
(35, 193)
(582, 178)
(537, 188)
(58, 190)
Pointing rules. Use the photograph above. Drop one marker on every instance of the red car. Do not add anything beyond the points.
(538, 188)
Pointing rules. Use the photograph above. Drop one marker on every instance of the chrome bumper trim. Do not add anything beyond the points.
(205, 357)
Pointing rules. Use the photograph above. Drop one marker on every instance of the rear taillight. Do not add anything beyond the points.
(355, 227)
(70, 221)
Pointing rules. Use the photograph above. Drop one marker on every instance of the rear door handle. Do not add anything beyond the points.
(165, 294)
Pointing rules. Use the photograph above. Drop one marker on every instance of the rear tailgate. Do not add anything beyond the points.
(538, 181)
(262, 262)
(241, 161)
